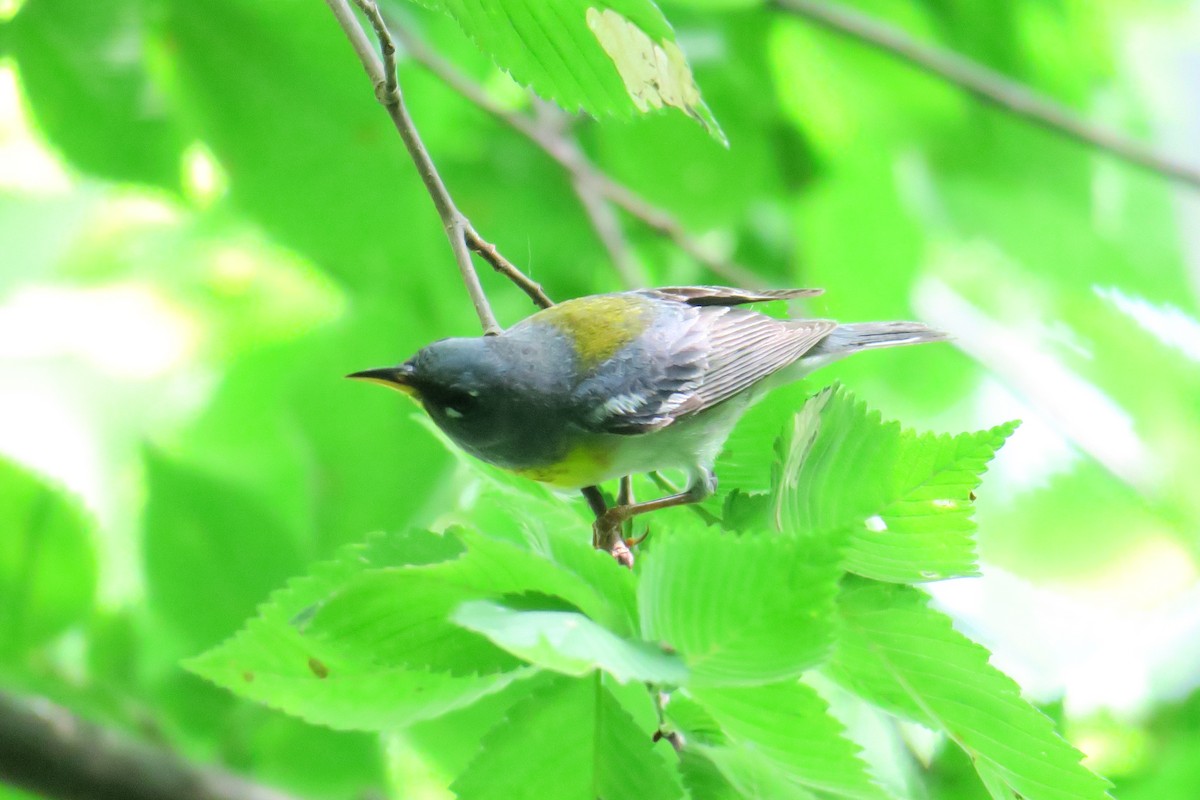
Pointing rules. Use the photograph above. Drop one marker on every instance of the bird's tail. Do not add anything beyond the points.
(869, 335)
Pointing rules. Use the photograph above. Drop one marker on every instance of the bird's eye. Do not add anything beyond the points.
(459, 405)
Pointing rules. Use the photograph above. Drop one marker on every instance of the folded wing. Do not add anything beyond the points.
(711, 353)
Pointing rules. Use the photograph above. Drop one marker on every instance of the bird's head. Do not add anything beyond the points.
(459, 382)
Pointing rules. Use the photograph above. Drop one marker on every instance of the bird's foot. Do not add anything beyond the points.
(621, 552)
(606, 535)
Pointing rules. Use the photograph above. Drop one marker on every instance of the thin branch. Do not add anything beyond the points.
(599, 211)
(608, 230)
(567, 154)
(674, 737)
(46, 749)
(990, 87)
(462, 235)
(489, 253)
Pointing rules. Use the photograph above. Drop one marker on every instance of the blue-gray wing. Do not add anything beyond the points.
(692, 358)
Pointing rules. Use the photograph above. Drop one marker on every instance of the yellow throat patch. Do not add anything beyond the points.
(600, 326)
(585, 464)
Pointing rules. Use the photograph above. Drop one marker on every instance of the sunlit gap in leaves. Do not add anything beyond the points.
(1079, 409)
(26, 165)
(126, 330)
(204, 181)
(55, 343)
(1035, 454)
(9, 9)
(1121, 640)
(1165, 322)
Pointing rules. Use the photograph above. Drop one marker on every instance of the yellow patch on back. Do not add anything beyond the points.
(585, 465)
(600, 326)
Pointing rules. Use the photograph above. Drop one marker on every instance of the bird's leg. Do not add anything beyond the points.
(625, 492)
(607, 530)
(625, 498)
(595, 501)
(666, 485)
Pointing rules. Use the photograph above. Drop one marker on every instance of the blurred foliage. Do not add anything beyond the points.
(206, 220)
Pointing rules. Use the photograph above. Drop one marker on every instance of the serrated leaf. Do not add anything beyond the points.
(753, 776)
(271, 662)
(703, 780)
(789, 726)
(401, 616)
(716, 767)
(598, 751)
(693, 719)
(997, 789)
(552, 538)
(569, 642)
(903, 500)
(47, 565)
(613, 57)
(744, 465)
(896, 652)
(744, 609)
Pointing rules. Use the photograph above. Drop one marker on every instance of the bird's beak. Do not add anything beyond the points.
(398, 378)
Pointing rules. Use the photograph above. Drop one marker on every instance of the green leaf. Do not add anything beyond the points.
(212, 551)
(703, 780)
(401, 616)
(753, 776)
(598, 751)
(613, 57)
(546, 539)
(714, 767)
(739, 609)
(569, 642)
(271, 662)
(47, 565)
(83, 68)
(994, 782)
(445, 745)
(311, 760)
(896, 652)
(789, 727)
(744, 464)
(905, 500)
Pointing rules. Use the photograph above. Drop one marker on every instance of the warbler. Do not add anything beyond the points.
(610, 385)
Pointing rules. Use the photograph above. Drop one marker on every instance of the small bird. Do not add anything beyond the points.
(610, 385)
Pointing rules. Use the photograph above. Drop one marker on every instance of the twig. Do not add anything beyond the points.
(567, 154)
(989, 86)
(462, 235)
(47, 750)
(675, 738)
(599, 211)
(608, 230)
(489, 253)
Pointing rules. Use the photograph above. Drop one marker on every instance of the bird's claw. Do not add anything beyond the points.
(606, 535)
(632, 542)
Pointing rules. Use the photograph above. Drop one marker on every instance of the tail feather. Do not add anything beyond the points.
(869, 335)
